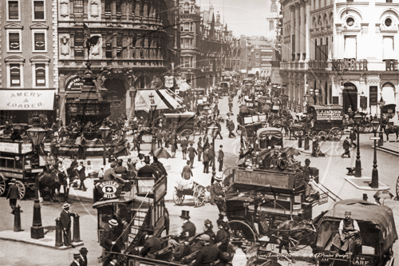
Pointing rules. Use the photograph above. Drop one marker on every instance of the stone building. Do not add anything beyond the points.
(137, 45)
(28, 60)
(341, 52)
(256, 56)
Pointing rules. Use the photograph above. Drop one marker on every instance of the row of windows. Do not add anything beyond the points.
(39, 75)
(15, 42)
(14, 10)
(187, 26)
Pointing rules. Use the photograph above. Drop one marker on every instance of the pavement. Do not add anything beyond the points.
(391, 147)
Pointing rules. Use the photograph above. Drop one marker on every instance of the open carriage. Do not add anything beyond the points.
(189, 188)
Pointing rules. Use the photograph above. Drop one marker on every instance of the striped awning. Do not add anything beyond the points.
(162, 99)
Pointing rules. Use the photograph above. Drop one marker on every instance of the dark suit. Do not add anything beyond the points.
(188, 230)
(151, 245)
(207, 255)
(220, 160)
(107, 238)
(13, 195)
(83, 260)
(206, 161)
(191, 155)
(222, 236)
(120, 169)
(65, 218)
(82, 177)
(217, 196)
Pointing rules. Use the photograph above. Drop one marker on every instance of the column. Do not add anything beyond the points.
(292, 22)
(303, 37)
(297, 33)
(114, 45)
(113, 9)
(307, 27)
(137, 10)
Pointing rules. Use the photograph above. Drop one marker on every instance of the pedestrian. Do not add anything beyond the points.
(208, 229)
(206, 161)
(81, 258)
(220, 158)
(73, 175)
(173, 145)
(231, 126)
(191, 154)
(82, 176)
(166, 138)
(218, 130)
(217, 193)
(211, 155)
(13, 194)
(64, 180)
(108, 241)
(186, 172)
(120, 169)
(352, 138)
(131, 167)
(65, 219)
(80, 142)
(346, 145)
(199, 148)
(184, 145)
(159, 138)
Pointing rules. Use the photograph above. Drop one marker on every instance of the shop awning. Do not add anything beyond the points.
(28, 99)
(162, 99)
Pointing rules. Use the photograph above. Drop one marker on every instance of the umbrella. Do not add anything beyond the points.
(162, 153)
(291, 151)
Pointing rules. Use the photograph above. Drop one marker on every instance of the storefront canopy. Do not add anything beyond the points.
(26, 100)
(162, 99)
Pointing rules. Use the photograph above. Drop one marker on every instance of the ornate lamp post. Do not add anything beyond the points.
(374, 176)
(105, 130)
(153, 108)
(36, 135)
(381, 140)
(358, 167)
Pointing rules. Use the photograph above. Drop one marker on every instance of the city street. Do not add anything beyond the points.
(332, 173)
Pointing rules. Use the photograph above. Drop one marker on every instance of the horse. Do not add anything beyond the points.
(50, 182)
(295, 233)
(389, 129)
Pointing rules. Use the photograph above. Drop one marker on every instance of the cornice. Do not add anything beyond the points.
(322, 9)
(354, 4)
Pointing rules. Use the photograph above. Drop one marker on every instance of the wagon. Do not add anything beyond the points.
(224, 88)
(184, 124)
(197, 191)
(326, 121)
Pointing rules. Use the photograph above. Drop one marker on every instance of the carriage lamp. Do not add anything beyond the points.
(104, 134)
(36, 134)
(374, 176)
(358, 167)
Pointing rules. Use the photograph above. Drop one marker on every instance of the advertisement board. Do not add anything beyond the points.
(329, 114)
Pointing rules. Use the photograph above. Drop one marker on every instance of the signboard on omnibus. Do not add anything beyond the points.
(264, 179)
(160, 190)
(329, 115)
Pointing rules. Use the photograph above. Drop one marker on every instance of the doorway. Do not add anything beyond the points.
(349, 95)
(117, 96)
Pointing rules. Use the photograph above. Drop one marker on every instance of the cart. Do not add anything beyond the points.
(197, 191)
(224, 88)
(184, 124)
(326, 121)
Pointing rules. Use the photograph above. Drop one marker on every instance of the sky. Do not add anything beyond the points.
(243, 17)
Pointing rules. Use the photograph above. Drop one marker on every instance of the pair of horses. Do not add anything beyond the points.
(50, 183)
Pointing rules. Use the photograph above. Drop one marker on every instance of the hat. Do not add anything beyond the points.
(13, 180)
(348, 213)
(221, 146)
(113, 164)
(219, 176)
(83, 250)
(66, 205)
(113, 222)
(205, 237)
(307, 160)
(185, 214)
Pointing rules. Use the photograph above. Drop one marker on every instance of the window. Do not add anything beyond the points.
(389, 1)
(40, 72)
(257, 55)
(38, 10)
(79, 40)
(14, 41)
(186, 26)
(15, 75)
(119, 48)
(350, 21)
(271, 25)
(273, 7)
(13, 10)
(107, 6)
(118, 6)
(78, 6)
(108, 50)
(388, 48)
(388, 22)
(186, 8)
(350, 47)
(39, 41)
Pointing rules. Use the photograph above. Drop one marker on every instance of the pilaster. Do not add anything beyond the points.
(54, 15)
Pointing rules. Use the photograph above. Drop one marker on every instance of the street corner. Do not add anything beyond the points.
(364, 183)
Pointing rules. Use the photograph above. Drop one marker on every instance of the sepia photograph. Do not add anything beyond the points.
(199, 132)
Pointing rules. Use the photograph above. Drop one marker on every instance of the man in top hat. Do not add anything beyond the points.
(13, 194)
(65, 219)
(188, 228)
(111, 175)
(108, 241)
(208, 254)
(348, 231)
(217, 193)
(152, 244)
(220, 158)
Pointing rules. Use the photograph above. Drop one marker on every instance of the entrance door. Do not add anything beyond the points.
(117, 95)
(349, 97)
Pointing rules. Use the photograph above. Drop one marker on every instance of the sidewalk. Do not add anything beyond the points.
(391, 147)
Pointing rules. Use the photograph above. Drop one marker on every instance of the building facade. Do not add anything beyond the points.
(28, 60)
(137, 45)
(272, 16)
(341, 52)
(256, 56)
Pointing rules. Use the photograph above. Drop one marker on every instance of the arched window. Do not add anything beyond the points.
(186, 8)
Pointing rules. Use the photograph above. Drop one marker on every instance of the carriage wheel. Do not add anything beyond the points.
(335, 134)
(21, 188)
(199, 196)
(3, 184)
(186, 133)
(178, 198)
(242, 231)
(397, 188)
(323, 135)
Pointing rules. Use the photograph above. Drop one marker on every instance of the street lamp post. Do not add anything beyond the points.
(105, 130)
(358, 167)
(36, 134)
(153, 108)
(381, 140)
(374, 176)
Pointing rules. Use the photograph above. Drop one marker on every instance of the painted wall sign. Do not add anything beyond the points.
(27, 99)
(109, 189)
(74, 84)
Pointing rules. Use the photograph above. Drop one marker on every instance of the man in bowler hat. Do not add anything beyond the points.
(188, 228)
(217, 193)
(65, 218)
